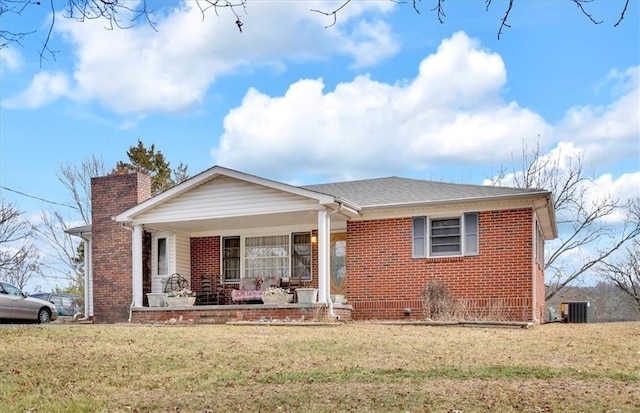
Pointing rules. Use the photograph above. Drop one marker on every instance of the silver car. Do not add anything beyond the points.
(16, 305)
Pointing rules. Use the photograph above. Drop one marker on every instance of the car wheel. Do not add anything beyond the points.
(44, 316)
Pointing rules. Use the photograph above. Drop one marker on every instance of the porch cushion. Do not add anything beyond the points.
(247, 284)
(248, 289)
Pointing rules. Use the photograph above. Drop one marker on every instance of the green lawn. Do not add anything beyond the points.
(354, 367)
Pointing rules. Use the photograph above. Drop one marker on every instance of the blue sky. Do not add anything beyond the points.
(384, 92)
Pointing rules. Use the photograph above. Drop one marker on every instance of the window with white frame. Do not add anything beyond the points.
(231, 259)
(264, 256)
(162, 256)
(471, 233)
(301, 255)
(447, 236)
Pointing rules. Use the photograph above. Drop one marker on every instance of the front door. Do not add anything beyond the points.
(338, 263)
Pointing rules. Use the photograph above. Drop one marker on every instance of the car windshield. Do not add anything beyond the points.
(10, 289)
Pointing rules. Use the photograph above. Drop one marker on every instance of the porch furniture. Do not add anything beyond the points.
(175, 282)
(207, 296)
(295, 282)
(251, 289)
(292, 283)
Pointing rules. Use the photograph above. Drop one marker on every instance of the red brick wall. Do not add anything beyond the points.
(205, 260)
(384, 279)
(111, 257)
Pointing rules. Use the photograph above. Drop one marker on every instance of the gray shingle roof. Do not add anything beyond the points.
(394, 191)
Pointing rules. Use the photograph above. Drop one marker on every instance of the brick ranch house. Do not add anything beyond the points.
(378, 242)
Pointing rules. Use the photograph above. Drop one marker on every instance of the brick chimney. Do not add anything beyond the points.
(111, 242)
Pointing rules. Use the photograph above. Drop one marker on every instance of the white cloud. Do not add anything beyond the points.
(452, 111)
(610, 131)
(45, 88)
(371, 43)
(563, 160)
(622, 189)
(138, 70)
(10, 59)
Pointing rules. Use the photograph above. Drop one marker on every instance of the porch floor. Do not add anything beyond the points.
(222, 314)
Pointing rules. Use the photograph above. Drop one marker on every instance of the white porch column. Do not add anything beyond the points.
(136, 250)
(88, 277)
(323, 256)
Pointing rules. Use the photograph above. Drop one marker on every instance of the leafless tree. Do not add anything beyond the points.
(19, 259)
(77, 180)
(116, 14)
(584, 223)
(124, 14)
(624, 272)
(60, 259)
(437, 7)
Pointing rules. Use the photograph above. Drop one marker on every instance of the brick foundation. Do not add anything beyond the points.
(227, 313)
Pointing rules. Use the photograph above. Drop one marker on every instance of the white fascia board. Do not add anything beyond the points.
(543, 208)
(209, 174)
(547, 217)
(83, 232)
(493, 198)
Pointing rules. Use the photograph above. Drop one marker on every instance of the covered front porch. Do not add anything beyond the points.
(222, 314)
(222, 230)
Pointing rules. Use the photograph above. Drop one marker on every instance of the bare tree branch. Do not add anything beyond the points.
(439, 9)
(19, 258)
(579, 4)
(78, 182)
(123, 14)
(59, 262)
(503, 22)
(332, 13)
(624, 272)
(584, 224)
(624, 10)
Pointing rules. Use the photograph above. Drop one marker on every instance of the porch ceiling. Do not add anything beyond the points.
(194, 227)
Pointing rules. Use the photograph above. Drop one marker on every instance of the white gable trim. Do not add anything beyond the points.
(210, 174)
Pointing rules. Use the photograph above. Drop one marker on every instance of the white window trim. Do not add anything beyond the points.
(241, 258)
(429, 244)
(154, 253)
(243, 237)
(427, 236)
(311, 257)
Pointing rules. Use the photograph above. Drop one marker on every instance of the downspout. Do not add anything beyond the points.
(328, 231)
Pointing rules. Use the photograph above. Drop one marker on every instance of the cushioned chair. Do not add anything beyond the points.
(251, 289)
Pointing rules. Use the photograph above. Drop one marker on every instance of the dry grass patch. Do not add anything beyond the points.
(356, 367)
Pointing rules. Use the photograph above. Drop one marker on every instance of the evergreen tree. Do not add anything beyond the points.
(153, 163)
